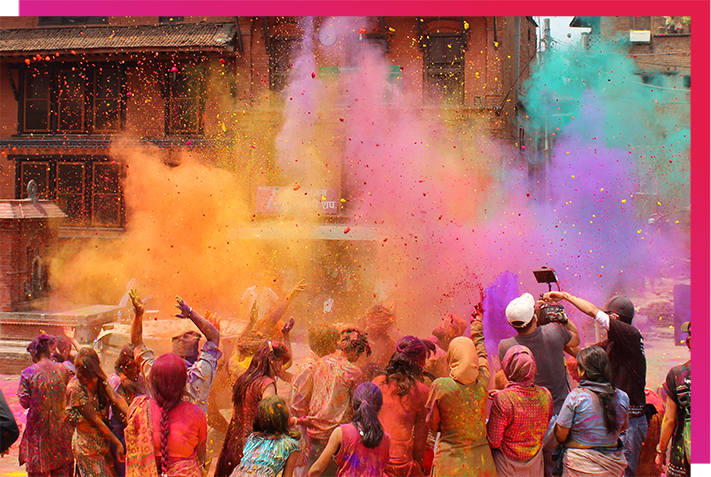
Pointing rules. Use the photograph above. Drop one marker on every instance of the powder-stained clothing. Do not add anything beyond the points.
(265, 456)
(462, 448)
(188, 428)
(354, 459)
(46, 440)
(335, 379)
(646, 465)
(678, 389)
(405, 419)
(593, 463)
(200, 374)
(302, 386)
(625, 348)
(583, 414)
(518, 420)
(547, 344)
(241, 426)
(92, 454)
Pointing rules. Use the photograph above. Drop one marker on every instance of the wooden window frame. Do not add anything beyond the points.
(90, 191)
(89, 98)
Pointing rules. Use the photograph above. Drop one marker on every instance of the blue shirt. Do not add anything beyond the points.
(582, 413)
(265, 456)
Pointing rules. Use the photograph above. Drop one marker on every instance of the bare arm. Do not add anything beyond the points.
(202, 452)
(280, 310)
(668, 426)
(575, 337)
(582, 305)
(87, 410)
(270, 390)
(334, 442)
(561, 433)
(294, 457)
(206, 328)
(70, 334)
(118, 401)
(137, 323)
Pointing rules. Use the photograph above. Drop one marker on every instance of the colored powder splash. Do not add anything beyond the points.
(454, 209)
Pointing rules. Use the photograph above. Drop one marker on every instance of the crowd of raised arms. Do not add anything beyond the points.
(361, 403)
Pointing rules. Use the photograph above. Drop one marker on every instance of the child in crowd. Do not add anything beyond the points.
(360, 447)
(272, 447)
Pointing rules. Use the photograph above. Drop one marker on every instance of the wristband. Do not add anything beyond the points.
(660, 451)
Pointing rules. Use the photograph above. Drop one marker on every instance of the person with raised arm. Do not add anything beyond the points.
(201, 365)
(625, 349)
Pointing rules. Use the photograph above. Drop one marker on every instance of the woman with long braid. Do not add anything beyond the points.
(166, 435)
(591, 420)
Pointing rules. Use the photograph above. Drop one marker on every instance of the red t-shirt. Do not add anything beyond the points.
(188, 427)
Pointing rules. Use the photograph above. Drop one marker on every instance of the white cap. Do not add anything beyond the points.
(519, 311)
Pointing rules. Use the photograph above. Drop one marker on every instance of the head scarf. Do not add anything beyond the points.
(463, 360)
(519, 366)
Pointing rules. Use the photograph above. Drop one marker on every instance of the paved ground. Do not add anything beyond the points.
(660, 350)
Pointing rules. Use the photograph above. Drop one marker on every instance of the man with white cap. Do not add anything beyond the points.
(547, 344)
(625, 348)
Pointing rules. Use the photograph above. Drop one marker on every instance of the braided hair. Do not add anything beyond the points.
(367, 401)
(596, 365)
(168, 378)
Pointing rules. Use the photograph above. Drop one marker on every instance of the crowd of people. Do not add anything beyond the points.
(361, 403)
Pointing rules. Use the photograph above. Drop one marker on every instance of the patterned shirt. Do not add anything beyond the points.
(46, 441)
(266, 456)
(200, 374)
(518, 421)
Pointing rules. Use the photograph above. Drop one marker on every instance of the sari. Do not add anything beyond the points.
(140, 450)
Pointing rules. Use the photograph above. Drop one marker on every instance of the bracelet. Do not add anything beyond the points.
(660, 451)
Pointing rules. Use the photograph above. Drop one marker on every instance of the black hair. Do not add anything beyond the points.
(125, 359)
(367, 401)
(405, 366)
(41, 346)
(88, 366)
(596, 365)
(272, 418)
(354, 340)
(268, 353)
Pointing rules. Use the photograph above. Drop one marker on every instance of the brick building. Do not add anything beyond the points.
(660, 46)
(661, 50)
(71, 85)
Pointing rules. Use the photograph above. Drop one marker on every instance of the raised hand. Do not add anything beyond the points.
(138, 306)
(185, 310)
(288, 326)
(214, 319)
(298, 288)
(69, 332)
